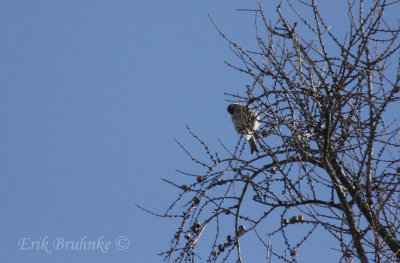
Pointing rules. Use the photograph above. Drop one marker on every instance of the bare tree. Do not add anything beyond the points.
(329, 148)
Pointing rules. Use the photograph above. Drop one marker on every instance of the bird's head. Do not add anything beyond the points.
(231, 108)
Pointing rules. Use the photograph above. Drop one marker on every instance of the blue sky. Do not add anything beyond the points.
(92, 95)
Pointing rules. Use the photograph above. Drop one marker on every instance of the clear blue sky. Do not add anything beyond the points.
(92, 95)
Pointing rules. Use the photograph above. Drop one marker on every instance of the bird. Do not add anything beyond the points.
(246, 122)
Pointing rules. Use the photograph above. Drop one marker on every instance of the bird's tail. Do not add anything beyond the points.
(253, 146)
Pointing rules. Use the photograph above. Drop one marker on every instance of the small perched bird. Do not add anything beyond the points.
(246, 122)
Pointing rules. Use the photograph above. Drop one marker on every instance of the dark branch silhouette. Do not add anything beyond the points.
(329, 143)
